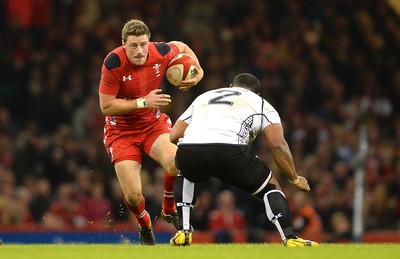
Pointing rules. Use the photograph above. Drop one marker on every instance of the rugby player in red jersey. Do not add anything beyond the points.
(130, 98)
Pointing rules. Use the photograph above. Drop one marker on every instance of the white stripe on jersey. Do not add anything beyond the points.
(231, 115)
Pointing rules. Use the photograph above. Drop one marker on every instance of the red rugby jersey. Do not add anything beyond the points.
(121, 78)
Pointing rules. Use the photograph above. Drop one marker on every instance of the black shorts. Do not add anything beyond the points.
(233, 164)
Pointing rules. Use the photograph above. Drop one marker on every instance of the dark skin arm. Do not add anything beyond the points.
(273, 135)
(177, 131)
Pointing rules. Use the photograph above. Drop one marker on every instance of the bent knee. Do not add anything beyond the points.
(169, 166)
(133, 198)
(172, 170)
(273, 184)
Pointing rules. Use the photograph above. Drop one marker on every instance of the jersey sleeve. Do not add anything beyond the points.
(270, 115)
(174, 50)
(109, 80)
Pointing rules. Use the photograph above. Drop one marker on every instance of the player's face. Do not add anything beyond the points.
(137, 49)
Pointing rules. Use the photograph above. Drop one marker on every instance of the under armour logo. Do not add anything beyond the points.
(276, 217)
(124, 78)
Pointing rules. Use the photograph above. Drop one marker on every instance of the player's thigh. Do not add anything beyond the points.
(128, 174)
(163, 151)
(244, 170)
(122, 146)
(191, 161)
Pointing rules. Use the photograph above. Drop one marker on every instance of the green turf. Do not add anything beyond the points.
(203, 251)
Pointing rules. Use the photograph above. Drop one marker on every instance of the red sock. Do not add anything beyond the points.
(168, 205)
(141, 215)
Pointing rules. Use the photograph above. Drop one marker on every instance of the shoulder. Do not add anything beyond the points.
(115, 58)
(268, 105)
(163, 48)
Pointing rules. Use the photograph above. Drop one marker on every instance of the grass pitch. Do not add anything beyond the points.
(203, 251)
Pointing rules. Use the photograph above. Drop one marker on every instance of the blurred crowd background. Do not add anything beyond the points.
(328, 67)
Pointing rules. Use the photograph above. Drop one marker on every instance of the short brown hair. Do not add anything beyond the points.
(135, 27)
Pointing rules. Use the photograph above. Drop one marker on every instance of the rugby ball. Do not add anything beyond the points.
(181, 67)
